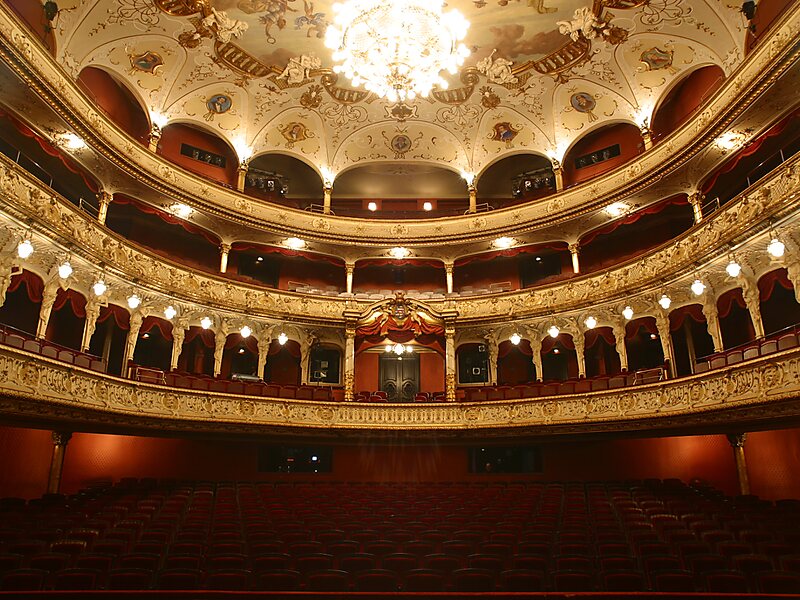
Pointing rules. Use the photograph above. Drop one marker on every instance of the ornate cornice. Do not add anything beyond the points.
(37, 387)
(764, 67)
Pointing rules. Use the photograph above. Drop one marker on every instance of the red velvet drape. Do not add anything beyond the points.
(504, 348)
(75, 300)
(402, 262)
(632, 218)
(679, 315)
(427, 334)
(121, 316)
(726, 302)
(163, 326)
(766, 284)
(33, 284)
(243, 246)
(564, 340)
(234, 339)
(510, 252)
(598, 333)
(168, 218)
(292, 347)
(646, 323)
(206, 336)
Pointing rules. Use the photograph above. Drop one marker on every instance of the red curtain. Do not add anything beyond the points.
(168, 218)
(242, 246)
(766, 284)
(206, 336)
(598, 333)
(49, 149)
(563, 340)
(33, 284)
(748, 150)
(726, 302)
(403, 262)
(250, 343)
(75, 300)
(511, 252)
(121, 316)
(632, 218)
(163, 326)
(646, 323)
(679, 315)
(427, 334)
(292, 347)
(504, 348)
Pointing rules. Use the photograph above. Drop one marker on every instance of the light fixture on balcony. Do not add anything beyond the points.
(372, 206)
(553, 331)
(283, 338)
(776, 248)
(396, 49)
(295, 243)
(399, 252)
(504, 243)
(627, 312)
(515, 338)
(401, 349)
(134, 301)
(245, 331)
(206, 323)
(184, 211)
(170, 312)
(590, 322)
(73, 142)
(99, 287)
(698, 287)
(427, 206)
(733, 269)
(64, 269)
(616, 209)
(665, 301)
(24, 249)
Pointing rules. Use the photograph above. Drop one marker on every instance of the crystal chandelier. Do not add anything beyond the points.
(396, 49)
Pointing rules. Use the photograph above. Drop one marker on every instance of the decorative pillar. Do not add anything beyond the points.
(662, 323)
(104, 198)
(349, 269)
(450, 362)
(492, 345)
(536, 356)
(792, 262)
(220, 337)
(264, 343)
(130, 341)
(696, 200)
(326, 198)
(155, 137)
(6, 272)
(558, 172)
(178, 335)
(736, 440)
(580, 346)
(448, 274)
(576, 265)
(60, 441)
(473, 198)
(48, 299)
(350, 362)
(647, 135)
(306, 342)
(711, 314)
(619, 342)
(224, 250)
(92, 312)
(241, 175)
(752, 299)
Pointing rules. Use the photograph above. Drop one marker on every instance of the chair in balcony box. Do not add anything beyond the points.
(512, 392)
(236, 387)
(270, 390)
(32, 346)
(200, 383)
(735, 356)
(673, 581)
(787, 341)
(476, 395)
(322, 394)
(230, 579)
(218, 385)
(751, 352)
(278, 580)
(50, 562)
(288, 391)
(50, 351)
(495, 393)
(727, 582)
(15, 340)
(304, 393)
(768, 347)
(572, 581)
(473, 580)
(778, 582)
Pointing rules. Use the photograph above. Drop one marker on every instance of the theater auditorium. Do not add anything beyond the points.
(399, 299)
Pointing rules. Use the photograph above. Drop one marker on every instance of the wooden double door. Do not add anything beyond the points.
(399, 376)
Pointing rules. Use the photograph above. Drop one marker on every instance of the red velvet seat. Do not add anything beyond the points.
(329, 580)
(376, 580)
(23, 579)
(424, 580)
(179, 579)
(229, 579)
(129, 579)
(673, 581)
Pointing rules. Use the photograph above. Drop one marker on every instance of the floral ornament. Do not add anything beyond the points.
(312, 97)
(488, 98)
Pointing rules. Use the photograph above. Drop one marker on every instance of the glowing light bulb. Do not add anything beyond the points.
(99, 287)
(134, 301)
(590, 322)
(776, 248)
(698, 287)
(205, 322)
(665, 301)
(627, 312)
(245, 331)
(25, 249)
(733, 269)
(515, 339)
(170, 312)
(65, 270)
(283, 338)
(553, 331)
(388, 348)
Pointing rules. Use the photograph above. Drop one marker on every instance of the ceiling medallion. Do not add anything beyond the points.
(396, 49)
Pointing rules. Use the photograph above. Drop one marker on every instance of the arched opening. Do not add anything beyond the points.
(516, 179)
(734, 319)
(108, 340)
(23, 302)
(642, 344)
(600, 353)
(690, 338)
(399, 191)
(683, 100)
(240, 356)
(285, 269)
(67, 319)
(283, 363)
(779, 306)
(154, 346)
(200, 152)
(515, 363)
(325, 364)
(389, 275)
(559, 359)
(115, 99)
(600, 151)
(164, 233)
(635, 234)
(284, 179)
(197, 352)
(512, 269)
(472, 360)
(38, 16)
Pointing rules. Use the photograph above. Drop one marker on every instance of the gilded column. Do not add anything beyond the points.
(473, 198)
(220, 337)
(536, 352)
(711, 314)
(178, 335)
(792, 262)
(306, 342)
(752, 299)
(224, 250)
(131, 339)
(264, 342)
(349, 269)
(155, 137)
(696, 200)
(92, 312)
(48, 299)
(448, 274)
(647, 135)
(619, 342)
(492, 345)
(736, 441)
(576, 264)
(450, 362)
(60, 441)
(104, 198)
(662, 323)
(6, 272)
(326, 198)
(558, 172)
(241, 175)
(350, 362)
(580, 346)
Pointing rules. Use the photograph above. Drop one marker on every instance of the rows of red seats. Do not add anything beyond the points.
(19, 339)
(637, 536)
(257, 388)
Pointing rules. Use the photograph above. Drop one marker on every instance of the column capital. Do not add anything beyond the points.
(736, 440)
(224, 248)
(349, 267)
(61, 438)
(448, 267)
(574, 247)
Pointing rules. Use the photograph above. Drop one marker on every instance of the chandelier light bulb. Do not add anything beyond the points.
(515, 339)
(399, 349)
(372, 207)
(245, 331)
(399, 252)
(698, 287)
(504, 242)
(553, 331)
(590, 322)
(205, 323)
(427, 206)
(388, 348)
(776, 248)
(283, 338)
(295, 243)
(665, 301)
(134, 301)
(733, 269)
(65, 270)
(627, 312)
(99, 287)
(170, 312)
(25, 249)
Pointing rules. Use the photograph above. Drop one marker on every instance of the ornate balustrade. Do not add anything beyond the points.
(32, 386)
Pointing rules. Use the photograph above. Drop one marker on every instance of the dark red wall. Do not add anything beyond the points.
(370, 278)
(480, 274)
(176, 134)
(32, 14)
(630, 144)
(116, 101)
(684, 99)
(767, 13)
(431, 372)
